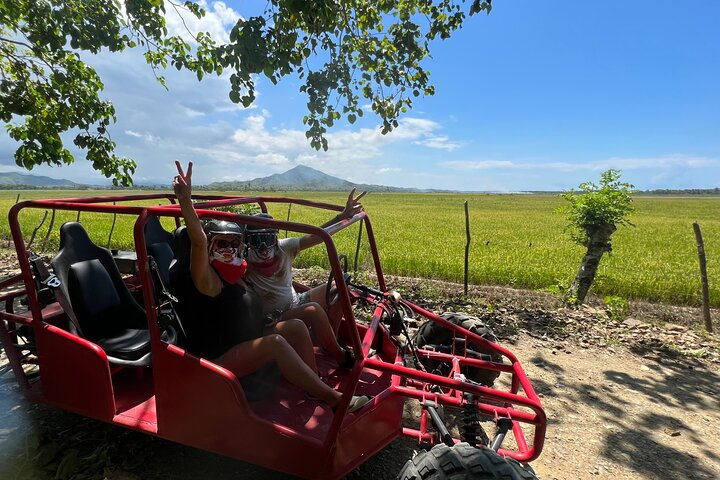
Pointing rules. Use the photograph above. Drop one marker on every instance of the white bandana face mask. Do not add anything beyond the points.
(224, 250)
(263, 256)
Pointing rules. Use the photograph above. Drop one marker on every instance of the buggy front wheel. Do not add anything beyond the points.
(463, 462)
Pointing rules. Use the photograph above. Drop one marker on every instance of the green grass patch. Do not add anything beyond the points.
(517, 240)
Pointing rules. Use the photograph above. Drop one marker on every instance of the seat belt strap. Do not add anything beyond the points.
(172, 299)
(52, 281)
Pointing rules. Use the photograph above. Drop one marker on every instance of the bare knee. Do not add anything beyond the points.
(315, 311)
(275, 342)
(295, 329)
(294, 324)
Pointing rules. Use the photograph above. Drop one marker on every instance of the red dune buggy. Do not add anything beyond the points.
(101, 335)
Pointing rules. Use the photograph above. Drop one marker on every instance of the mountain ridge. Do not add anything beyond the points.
(304, 178)
(15, 180)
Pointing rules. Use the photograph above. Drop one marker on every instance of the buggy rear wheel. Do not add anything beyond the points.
(431, 333)
(463, 462)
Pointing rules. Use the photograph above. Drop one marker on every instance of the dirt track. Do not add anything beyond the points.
(612, 415)
(624, 401)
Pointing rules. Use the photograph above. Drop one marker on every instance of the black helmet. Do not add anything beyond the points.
(252, 229)
(221, 227)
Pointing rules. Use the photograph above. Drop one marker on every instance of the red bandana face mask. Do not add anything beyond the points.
(227, 260)
(229, 272)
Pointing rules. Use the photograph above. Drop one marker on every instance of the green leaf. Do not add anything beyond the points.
(339, 50)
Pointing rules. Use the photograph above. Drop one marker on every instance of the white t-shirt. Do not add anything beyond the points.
(276, 291)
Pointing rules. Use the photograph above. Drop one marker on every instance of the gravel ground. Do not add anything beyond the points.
(631, 398)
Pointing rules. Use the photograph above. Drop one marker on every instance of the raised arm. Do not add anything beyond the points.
(204, 278)
(352, 206)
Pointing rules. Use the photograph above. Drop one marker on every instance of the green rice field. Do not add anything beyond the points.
(517, 240)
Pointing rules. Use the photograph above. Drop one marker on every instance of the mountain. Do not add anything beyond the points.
(14, 180)
(304, 179)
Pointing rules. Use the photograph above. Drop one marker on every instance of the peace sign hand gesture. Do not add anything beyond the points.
(182, 183)
(353, 205)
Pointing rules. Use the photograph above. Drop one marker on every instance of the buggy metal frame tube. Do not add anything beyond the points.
(323, 234)
(537, 418)
(113, 198)
(14, 358)
(519, 377)
(421, 378)
(465, 361)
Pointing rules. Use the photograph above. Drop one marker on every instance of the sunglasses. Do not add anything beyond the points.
(262, 240)
(223, 244)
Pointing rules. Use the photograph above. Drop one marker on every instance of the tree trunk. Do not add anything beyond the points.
(598, 243)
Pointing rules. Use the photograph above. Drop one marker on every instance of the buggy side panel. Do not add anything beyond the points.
(203, 405)
(74, 373)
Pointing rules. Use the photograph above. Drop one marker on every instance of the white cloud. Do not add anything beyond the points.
(349, 150)
(478, 164)
(440, 143)
(217, 22)
(148, 137)
(620, 163)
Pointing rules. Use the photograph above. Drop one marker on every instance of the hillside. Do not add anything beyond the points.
(15, 180)
(302, 178)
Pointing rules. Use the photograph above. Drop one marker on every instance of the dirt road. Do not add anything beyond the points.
(612, 414)
(624, 400)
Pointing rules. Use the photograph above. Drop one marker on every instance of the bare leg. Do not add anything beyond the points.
(297, 335)
(333, 312)
(252, 355)
(315, 317)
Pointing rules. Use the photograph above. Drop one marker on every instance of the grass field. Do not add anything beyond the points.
(517, 240)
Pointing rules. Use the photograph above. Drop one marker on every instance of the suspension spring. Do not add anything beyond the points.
(470, 429)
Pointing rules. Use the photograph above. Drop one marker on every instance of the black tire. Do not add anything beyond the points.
(431, 333)
(463, 462)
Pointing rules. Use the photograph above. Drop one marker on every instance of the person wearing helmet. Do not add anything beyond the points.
(232, 332)
(270, 272)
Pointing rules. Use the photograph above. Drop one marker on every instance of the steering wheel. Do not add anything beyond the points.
(331, 290)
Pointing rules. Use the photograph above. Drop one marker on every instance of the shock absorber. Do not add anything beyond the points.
(470, 429)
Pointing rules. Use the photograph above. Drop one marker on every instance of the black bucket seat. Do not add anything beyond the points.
(105, 311)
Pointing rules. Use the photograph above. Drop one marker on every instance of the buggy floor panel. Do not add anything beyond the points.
(291, 407)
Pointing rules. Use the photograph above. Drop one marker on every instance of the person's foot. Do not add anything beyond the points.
(349, 361)
(357, 402)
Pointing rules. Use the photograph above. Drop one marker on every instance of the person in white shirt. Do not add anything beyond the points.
(216, 275)
(270, 272)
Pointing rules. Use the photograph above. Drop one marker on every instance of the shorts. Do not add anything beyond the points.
(303, 298)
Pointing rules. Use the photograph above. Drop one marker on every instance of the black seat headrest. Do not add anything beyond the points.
(155, 233)
(163, 255)
(180, 267)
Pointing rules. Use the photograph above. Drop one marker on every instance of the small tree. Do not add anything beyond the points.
(594, 214)
(350, 57)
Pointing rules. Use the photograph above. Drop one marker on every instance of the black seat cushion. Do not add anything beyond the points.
(128, 344)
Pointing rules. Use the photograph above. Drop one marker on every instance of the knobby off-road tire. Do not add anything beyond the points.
(431, 333)
(463, 462)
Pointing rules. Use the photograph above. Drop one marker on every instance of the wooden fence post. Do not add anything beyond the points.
(288, 217)
(467, 245)
(357, 248)
(703, 278)
(17, 199)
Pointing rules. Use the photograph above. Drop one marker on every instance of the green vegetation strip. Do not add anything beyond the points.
(517, 240)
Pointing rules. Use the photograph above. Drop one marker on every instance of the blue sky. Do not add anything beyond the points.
(535, 96)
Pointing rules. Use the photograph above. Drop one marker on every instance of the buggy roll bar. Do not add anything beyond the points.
(325, 234)
(496, 403)
(109, 204)
(405, 380)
